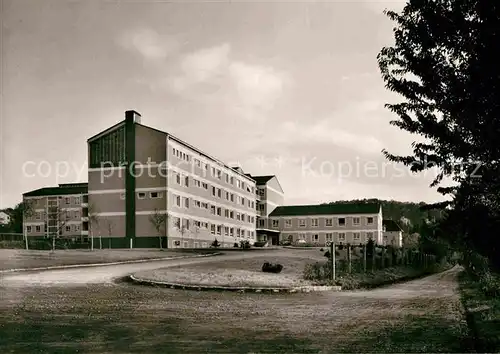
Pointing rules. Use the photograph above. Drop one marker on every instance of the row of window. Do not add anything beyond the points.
(58, 214)
(216, 192)
(38, 228)
(315, 222)
(143, 195)
(185, 225)
(214, 171)
(185, 202)
(341, 236)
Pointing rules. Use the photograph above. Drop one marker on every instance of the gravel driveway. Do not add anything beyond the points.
(83, 310)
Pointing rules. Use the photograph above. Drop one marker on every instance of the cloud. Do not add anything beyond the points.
(325, 132)
(148, 43)
(245, 90)
(257, 85)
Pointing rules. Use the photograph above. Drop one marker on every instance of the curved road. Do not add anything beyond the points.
(70, 310)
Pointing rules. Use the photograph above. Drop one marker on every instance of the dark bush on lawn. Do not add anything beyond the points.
(236, 245)
(260, 243)
(245, 244)
(272, 267)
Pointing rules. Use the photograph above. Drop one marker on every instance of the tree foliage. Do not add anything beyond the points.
(444, 63)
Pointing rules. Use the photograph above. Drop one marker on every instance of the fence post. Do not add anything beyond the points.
(25, 236)
(374, 255)
(364, 257)
(332, 253)
(349, 264)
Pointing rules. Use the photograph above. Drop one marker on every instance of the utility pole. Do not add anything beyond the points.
(332, 258)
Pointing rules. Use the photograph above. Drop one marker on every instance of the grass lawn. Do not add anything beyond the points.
(120, 318)
(483, 314)
(10, 258)
(244, 272)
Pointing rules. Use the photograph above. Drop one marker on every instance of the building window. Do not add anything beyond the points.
(197, 183)
(205, 185)
(141, 195)
(178, 178)
(237, 216)
(329, 237)
(341, 221)
(315, 237)
(261, 222)
(212, 229)
(178, 200)
(355, 221)
(231, 214)
(212, 209)
(219, 229)
(342, 237)
(226, 213)
(231, 232)
(213, 191)
(219, 211)
(302, 222)
(68, 228)
(219, 192)
(226, 230)
(28, 228)
(314, 222)
(155, 195)
(197, 203)
(186, 203)
(302, 236)
(77, 200)
(329, 222)
(38, 216)
(275, 223)
(38, 228)
(369, 220)
(186, 181)
(122, 196)
(68, 200)
(356, 236)
(77, 228)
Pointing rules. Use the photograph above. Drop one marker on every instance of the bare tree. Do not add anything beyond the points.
(94, 220)
(27, 210)
(159, 222)
(181, 227)
(61, 218)
(110, 226)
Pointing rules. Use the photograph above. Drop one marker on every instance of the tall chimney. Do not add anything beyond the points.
(133, 116)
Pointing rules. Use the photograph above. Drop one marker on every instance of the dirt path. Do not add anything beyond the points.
(84, 311)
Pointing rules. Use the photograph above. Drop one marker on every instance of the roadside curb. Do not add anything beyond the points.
(106, 264)
(240, 289)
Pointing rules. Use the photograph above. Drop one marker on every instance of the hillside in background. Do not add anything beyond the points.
(399, 211)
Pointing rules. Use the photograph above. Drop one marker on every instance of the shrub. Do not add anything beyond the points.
(236, 245)
(272, 268)
(215, 244)
(245, 244)
(260, 243)
(489, 284)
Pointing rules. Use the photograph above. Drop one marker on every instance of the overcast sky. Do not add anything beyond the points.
(291, 89)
